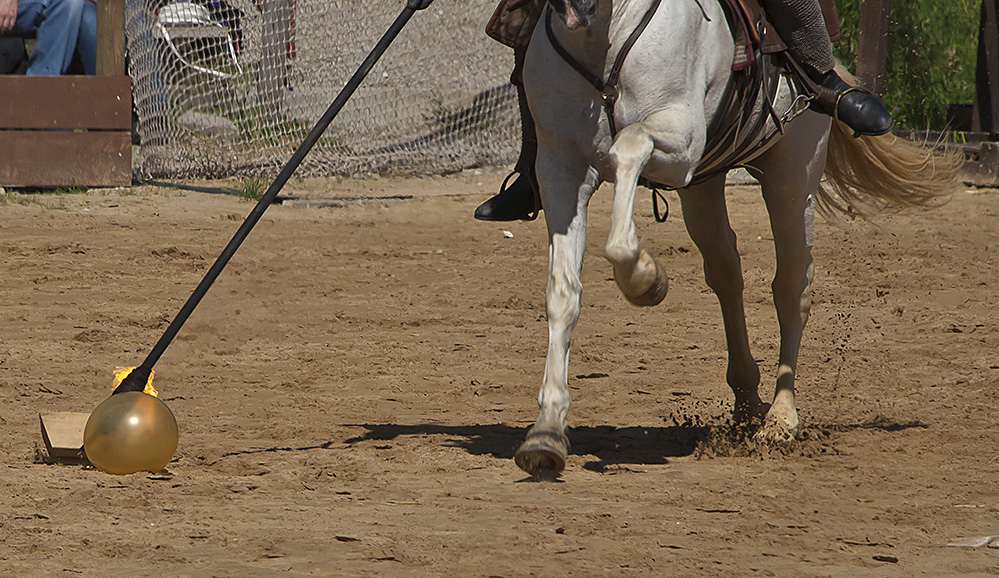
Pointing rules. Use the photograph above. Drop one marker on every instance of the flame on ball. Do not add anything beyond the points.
(120, 373)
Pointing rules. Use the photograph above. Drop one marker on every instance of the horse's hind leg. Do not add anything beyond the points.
(789, 174)
(706, 218)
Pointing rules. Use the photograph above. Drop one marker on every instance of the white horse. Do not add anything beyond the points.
(670, 88)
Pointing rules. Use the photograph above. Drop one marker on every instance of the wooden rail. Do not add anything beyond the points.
(980, 152)
(987, 79)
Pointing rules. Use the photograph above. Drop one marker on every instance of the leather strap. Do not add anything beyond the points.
(608, 88)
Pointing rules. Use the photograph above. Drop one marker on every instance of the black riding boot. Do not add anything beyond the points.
(855, 107)
(801, 24)
(522, 199)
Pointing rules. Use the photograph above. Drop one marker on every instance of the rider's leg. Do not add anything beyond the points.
(55, 26)
(86, 44)
(521, 199)
(801, 25)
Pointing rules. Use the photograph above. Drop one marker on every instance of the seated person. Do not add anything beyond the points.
(61, 28)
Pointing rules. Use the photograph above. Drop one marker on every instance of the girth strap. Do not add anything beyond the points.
(606, 88)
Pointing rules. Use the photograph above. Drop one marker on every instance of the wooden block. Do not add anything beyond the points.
(66, 102)
(62, 432)
(65, 159)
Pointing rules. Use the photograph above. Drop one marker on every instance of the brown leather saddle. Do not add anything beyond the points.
(753, 34)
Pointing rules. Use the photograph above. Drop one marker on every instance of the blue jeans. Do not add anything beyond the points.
(86, 44)
(56, 26)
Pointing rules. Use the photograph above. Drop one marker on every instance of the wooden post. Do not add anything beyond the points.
(111, 37)
(872, 44)
(987, 76)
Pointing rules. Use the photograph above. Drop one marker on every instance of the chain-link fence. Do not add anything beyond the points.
(231, 87)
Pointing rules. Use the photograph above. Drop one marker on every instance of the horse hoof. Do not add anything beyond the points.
(542, 451)
(639, 277)
(655, 293)
(775, 432)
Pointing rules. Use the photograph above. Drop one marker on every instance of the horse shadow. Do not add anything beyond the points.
(618, 447)
(612, 446)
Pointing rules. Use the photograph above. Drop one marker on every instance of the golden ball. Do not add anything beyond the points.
(130, 432)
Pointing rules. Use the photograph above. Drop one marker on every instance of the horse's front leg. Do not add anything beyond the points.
(636, 272)
(669, 144)
(547, 446)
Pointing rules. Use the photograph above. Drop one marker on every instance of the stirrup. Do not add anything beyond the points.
(513, 202)
(534, 189)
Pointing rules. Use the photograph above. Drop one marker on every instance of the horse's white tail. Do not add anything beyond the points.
(884, 172)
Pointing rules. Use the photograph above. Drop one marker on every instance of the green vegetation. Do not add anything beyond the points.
(253, 188)
(474, 118)
(932, 56)
(261, 123)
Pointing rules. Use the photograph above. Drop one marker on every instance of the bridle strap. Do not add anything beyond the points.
(606, 88)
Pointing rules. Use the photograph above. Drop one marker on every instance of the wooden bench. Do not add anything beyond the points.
(71, 131)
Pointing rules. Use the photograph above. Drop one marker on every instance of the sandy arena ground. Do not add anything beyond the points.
(352, 389)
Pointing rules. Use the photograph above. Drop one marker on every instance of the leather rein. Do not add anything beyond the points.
(606, 88)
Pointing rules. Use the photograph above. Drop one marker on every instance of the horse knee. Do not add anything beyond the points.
(631, 149)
